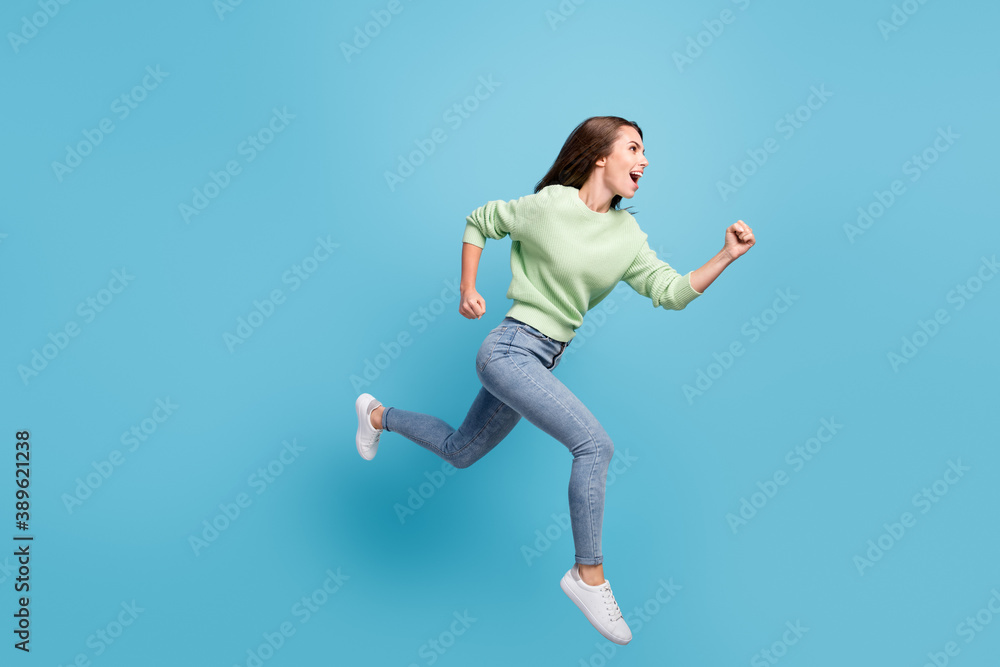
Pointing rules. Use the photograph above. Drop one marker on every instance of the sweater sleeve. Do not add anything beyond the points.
(651, 277)
(494, 219)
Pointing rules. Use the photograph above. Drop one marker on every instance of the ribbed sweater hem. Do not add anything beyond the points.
(541, 320)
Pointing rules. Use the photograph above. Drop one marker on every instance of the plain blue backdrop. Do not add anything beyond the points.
(198, 279)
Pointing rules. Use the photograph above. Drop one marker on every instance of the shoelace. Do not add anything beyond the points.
(609, 602)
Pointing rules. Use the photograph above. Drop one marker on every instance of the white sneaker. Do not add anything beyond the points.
(598, 604)
(367, 437)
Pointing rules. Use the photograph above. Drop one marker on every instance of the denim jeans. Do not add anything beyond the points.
(514, 365)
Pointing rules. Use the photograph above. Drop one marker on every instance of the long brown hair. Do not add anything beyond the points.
(588, 142)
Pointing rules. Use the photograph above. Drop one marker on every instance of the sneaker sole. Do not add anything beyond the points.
(567, 584)
(359, 407)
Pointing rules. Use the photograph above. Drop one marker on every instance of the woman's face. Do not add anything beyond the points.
(625, 159)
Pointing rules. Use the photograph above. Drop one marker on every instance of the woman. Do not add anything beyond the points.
(570, 246)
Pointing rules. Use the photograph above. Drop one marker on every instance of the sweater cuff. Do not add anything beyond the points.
(685, 293)
(473, 235)
(688, 276)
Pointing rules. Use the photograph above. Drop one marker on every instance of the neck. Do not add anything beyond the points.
(596, 196)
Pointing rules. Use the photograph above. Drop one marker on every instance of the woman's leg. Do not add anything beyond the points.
(519, 374)
(486, 424)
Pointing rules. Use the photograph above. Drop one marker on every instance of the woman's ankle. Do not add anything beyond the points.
(592, 575)
(376, 418)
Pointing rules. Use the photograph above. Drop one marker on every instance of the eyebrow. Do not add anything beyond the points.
(632, 141)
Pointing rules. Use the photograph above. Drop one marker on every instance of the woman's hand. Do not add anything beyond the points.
(739, 239)
(471, 304)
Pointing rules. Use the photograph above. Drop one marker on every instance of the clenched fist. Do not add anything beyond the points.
(739, 239)
(471, 304)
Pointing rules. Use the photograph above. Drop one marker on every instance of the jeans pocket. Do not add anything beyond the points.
(533, 332)
(487, 348)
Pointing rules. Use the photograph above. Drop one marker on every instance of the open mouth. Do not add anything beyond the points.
(636, 175)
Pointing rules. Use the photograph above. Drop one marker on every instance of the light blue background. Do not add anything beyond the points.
(399, 248)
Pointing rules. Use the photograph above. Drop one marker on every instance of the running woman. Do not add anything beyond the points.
(570, 246)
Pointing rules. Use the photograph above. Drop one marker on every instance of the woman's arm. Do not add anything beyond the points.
(739, 239)
(471, 305)
(470, 265)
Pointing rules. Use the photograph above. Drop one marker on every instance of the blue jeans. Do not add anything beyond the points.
(515, 365)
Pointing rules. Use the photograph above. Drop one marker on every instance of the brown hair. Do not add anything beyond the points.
(588, 142)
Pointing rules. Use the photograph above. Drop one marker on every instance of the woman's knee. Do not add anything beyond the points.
(605, 448)
(461, 461)
(599, 446)
(463, 458)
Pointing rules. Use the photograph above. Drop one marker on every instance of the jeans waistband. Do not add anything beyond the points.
(516, 322)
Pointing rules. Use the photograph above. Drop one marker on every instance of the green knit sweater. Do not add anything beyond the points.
(566, 258)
